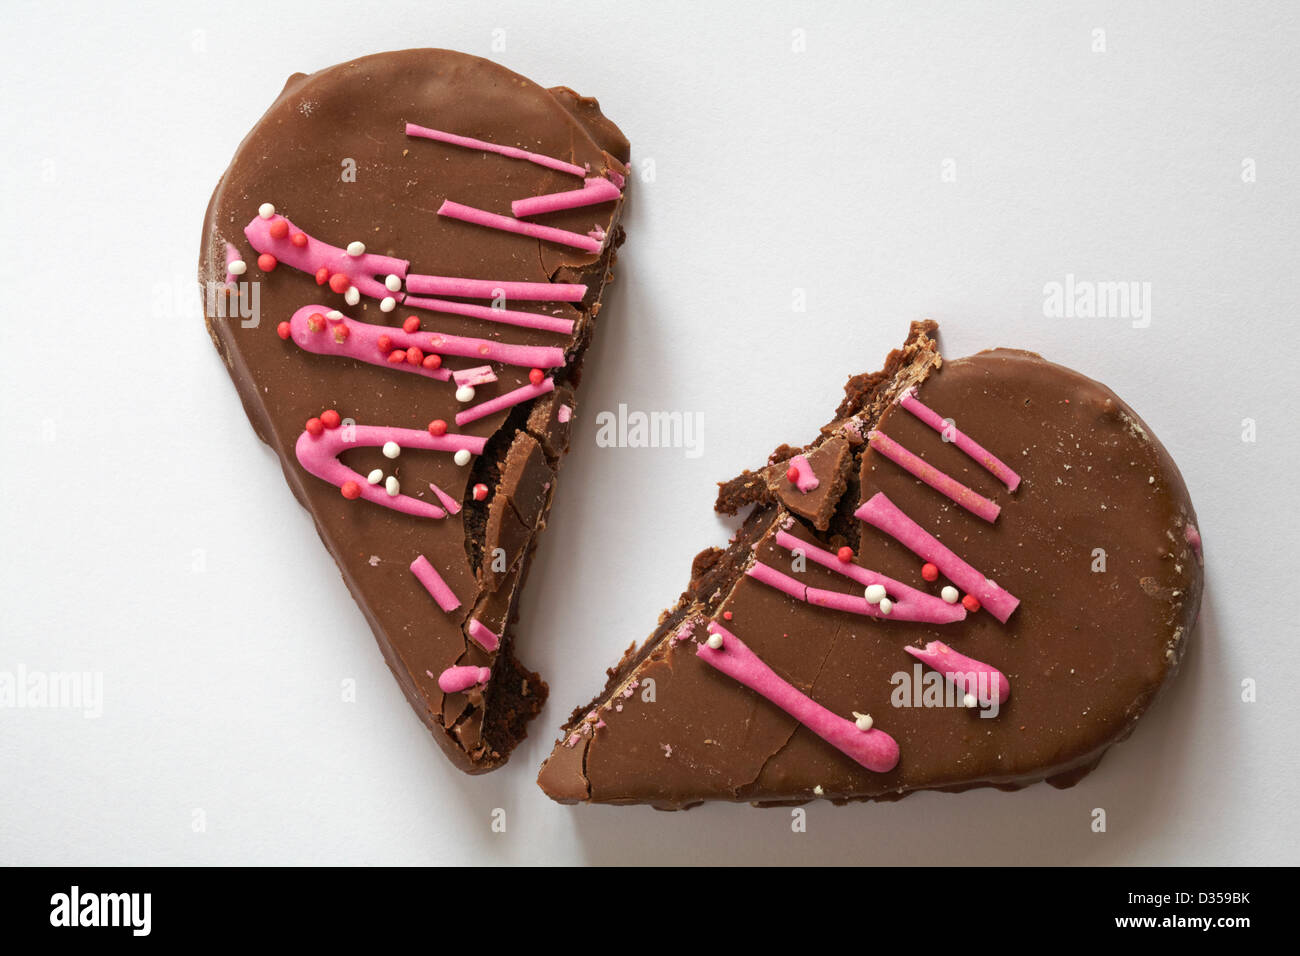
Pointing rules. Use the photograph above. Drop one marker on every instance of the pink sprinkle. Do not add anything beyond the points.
(448, 502)
(434, 584)
(564, 414)
(490, 289)
(1193, 538)
(595, 191)
(874, 749)
(805, 480)
(526, 320)
(479, 375)
(509, 399)
(482, 635)
(882, 513)
(938, 480)
(462, 677)
(987, 683)
(481, 217)
(974, 449)
(232, 255)
(513, 152)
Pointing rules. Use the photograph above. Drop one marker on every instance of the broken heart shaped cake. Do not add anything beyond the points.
(402, 268)
(981, 573)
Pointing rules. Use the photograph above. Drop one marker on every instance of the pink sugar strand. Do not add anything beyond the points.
(910, 604)
(964, 671)
(434, 584)
(977, 452)
(478, 375)
(940, 481)
(596, 190)
(523, 320)
(448, 502)
(491, 289)
(518, 395)
(883, 514)
(806, 479)
(483, 636)
(481, 217)
(462, 677)
(514, 152)
(873, 749)
(852, 603)
(232, 255)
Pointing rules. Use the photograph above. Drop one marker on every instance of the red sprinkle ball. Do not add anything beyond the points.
(536, 375)
(330, 418)
(279, 229)
(341, 333)
(351, 490)
(396, 356)
(971, 603)
(315, 321)
(267, 262)
(315, 426)
(339, 283)
(845, 554)
(929, 572)
(299, 239)
(792, 474)
(414, 355)
(322, 275)
(432, 361)
(282, 330)
(411, 324)
(384, 343)
(437, 427)
(726, 615)
(480, 492)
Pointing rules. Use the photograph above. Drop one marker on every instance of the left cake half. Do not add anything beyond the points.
(402, 270)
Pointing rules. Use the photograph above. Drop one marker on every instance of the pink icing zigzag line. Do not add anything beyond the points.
(462, 677)
(360, 270)
(475, 412)
(318, 454)
(982, 456)
(966, 672)
(514, 152)
(232, 255)
(806, 479)
(940, 481)
(481, 217)
(483, 636)
(489, 289)
(873, 749)
(362, 343)
(525, 320)
(882, 513)
(438, 589)
(448, 502)
(595, 191)
(926, 613)
(909, 603)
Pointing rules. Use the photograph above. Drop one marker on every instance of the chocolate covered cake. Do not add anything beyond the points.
(402, 268)
(981, 573)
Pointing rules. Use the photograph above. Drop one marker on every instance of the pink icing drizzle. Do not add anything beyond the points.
(360, 270)
(514, 152)
(490, 289)
(873, 749)
(909, 603)
(526, 320)
(448, 502)
(438, 589)
(974, 449)
(938, 480)
(963, 670)
(882, 513)
(478, 375)
(904, 610)
(462, 677)
(805, 479)
(475, 412)
(596, 190)
(483, 635)
(481, 217)
(318, 454)
(362, 343)
(232, 255)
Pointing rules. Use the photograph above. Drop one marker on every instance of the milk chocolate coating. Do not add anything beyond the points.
(297, 157)
(1086, 651)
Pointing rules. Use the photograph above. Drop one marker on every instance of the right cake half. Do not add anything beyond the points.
(980, 573)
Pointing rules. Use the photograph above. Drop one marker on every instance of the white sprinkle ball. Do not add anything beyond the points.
(387, 304)
(392, 486)
(969, 700)
(334, 315)
(393, 283)
(376, 476)
(356, 248)
(949, 594)
(465, 393)
(266, 210)
(392, 449)
(886, 605)
(237, 267)
(875, 593)
(461, 457)
(352, 296)
(864, 722)
(715, 641)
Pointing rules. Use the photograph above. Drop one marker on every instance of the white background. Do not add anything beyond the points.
(149, 536)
